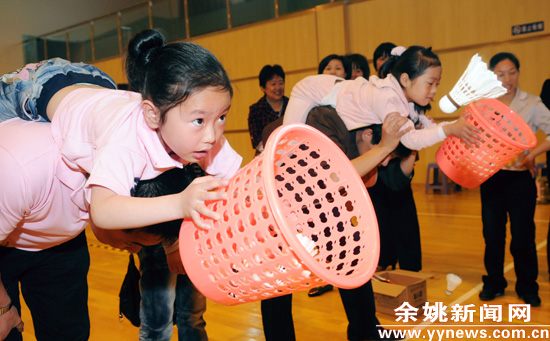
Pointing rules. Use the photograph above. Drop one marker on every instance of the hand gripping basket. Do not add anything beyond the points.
(298, 216)
(504, 135)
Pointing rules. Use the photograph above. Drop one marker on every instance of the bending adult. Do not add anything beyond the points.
(512, 193)
(43, 244)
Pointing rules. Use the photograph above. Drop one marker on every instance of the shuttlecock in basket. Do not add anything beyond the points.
(452, 282)
(476, 82)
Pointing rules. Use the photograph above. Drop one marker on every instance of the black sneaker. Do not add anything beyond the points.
(488, 294)
(532, 299)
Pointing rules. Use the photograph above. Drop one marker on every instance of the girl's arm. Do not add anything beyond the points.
(417, 139)
(109, 210)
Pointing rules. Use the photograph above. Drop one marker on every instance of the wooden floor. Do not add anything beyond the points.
(451, 242)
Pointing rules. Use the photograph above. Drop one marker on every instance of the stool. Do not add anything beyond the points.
(443, 185)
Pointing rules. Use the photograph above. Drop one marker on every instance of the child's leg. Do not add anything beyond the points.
(190, 308)
(158, 292)
(26, 92)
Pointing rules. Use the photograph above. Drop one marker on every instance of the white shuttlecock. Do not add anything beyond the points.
(308, 244)
(476, 82)
(452, 282)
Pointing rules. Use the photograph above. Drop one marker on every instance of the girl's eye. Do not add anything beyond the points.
(198, 121)
(222, 118)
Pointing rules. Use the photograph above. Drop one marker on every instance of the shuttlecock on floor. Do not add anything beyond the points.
(476, 82)
(452, 282)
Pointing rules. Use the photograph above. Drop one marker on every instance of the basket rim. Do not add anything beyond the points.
(274, 203)
(525, 129)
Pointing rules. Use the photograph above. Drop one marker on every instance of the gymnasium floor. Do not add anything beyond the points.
(451, 241)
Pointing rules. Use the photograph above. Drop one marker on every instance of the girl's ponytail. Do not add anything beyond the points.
(385, 69)
(142, 50)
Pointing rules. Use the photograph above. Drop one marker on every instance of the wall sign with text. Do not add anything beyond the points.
(528, 28)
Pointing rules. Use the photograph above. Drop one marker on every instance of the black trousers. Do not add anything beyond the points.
(54, 286)
(361, 312)
(510, 194)
(277, 319)
(358, 304)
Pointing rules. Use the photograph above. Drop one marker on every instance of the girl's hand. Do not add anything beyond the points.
(194, 196)
(464, 130)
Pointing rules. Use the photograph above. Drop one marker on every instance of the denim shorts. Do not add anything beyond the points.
(26, 92)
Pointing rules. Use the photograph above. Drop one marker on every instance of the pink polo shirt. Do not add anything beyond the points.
(35, 210)
(102, 137)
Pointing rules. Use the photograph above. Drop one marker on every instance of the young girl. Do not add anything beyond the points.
(111, 139)
(408, 89)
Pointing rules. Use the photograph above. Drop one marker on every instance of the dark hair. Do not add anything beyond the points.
(376, 129)
(497, 58)
(167, 74)
(414, 62)
(270, 71)
(170, 182)
(345, 62)
(360, 62)
(383, 50)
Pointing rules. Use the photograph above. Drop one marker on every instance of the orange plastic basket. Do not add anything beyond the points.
(504, 135)
(298, 216)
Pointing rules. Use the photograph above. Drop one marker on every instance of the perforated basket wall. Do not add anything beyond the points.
(298, 216)
(504, 135)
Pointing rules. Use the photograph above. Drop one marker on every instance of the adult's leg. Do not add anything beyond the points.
(277, 318)
(522, 196)
(11, 269)
(55, 289)
(494, 217)
(406, 230)
(361, 312)
(189, 310)
(158, 293)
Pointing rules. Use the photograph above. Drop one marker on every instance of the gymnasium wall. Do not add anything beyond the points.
(456, 30)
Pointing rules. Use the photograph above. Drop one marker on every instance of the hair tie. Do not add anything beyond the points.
(398, 51)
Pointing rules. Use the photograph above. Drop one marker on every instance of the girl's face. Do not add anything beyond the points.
(194, 126)
(423, 88)
(356, 72)
(381, 60)
(508, 74)
(274, 88)
(336, 68)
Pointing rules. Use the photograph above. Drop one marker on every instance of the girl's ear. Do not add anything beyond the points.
(151, 114)
(404, 80)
